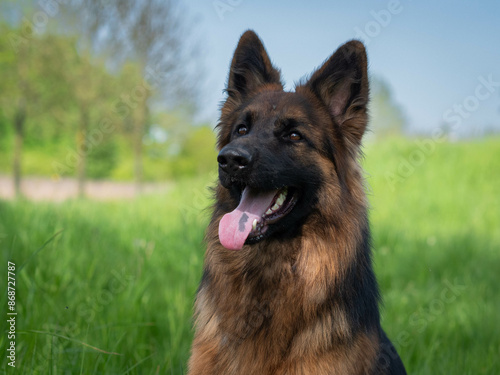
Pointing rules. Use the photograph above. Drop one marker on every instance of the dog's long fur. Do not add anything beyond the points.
(304, 299)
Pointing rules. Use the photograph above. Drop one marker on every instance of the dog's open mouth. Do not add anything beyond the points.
(250, 221)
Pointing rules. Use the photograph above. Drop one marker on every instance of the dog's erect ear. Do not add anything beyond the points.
(342, 85)
(251, 67)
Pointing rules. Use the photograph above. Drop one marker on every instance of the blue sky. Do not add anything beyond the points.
(433, 54)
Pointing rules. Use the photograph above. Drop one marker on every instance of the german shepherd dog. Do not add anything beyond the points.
(288, 286)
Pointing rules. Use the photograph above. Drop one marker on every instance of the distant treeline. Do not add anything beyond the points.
(93, 89)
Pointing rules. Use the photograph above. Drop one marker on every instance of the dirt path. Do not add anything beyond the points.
(46, 189)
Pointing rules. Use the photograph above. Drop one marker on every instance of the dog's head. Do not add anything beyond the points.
(280, 150)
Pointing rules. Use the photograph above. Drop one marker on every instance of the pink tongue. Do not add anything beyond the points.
(235, 226)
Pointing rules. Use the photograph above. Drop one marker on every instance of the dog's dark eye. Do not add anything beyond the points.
(242, 130)
(294, 136)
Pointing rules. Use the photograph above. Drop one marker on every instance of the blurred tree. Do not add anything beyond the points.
(15, 93)
(27, 88)
(386, 116)
(87, 19)
(154, 35)
(92, 89)
(53, 108)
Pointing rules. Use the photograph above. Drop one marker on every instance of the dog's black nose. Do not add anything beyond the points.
(234, 160)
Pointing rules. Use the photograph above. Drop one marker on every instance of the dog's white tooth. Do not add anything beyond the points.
(275, 207)
(280, 199)
(269, 211)
(284, 193)
(284, 196)
(254, 224)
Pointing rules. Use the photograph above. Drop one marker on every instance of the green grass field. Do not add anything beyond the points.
(108, 288)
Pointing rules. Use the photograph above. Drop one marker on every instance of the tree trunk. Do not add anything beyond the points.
(82, 149)
(19, 120)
